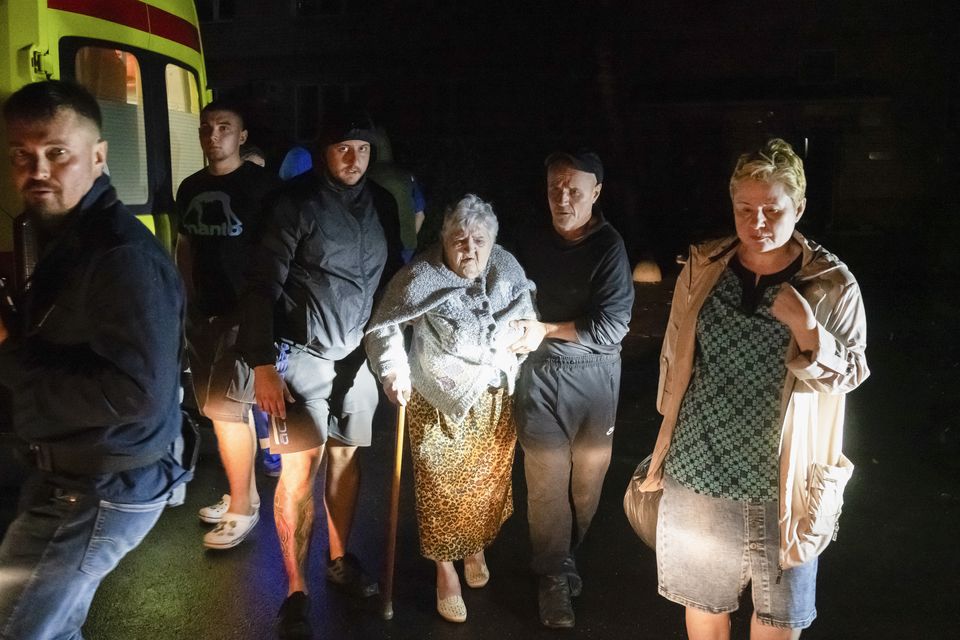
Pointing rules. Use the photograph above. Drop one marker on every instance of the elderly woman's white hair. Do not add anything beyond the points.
(470, 213)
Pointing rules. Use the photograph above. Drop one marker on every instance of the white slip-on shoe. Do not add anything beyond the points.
(452, 609)
(231, 530)
(476, 574)
(212, 514)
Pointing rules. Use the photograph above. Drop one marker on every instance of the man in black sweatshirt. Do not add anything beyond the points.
(569, 387)
(330, 236)
(93, 366)
(220, 211)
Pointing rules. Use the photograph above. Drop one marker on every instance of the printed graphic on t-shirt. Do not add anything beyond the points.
(210, 214)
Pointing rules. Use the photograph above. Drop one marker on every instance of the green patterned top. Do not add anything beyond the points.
(728, 430)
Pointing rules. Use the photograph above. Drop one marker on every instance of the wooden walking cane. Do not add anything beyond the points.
(394, 516)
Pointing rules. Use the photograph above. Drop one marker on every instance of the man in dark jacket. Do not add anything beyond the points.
(310, 296)
(568, 390)
(93, 367)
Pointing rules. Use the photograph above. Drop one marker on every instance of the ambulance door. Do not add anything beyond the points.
(151, 113)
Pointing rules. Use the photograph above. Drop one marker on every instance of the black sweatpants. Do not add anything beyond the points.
(565, 411)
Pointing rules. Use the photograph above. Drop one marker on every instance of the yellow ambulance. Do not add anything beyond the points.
(143, 61)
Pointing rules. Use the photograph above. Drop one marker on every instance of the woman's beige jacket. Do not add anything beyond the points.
(813, 469)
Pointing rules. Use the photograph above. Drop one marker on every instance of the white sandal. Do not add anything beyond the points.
(231, 530)
(212, 514)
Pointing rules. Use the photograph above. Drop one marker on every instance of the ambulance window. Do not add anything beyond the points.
(183, 113)
(113, 76)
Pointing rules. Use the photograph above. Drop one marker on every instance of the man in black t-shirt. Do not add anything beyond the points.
(569, 387)
(220, 209)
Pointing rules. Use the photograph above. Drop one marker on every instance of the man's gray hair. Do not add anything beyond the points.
(471, 212)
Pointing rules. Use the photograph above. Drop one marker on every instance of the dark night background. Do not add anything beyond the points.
(475, 94)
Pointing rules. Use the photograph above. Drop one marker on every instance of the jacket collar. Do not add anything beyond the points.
(598, 221)
(340, 188)
(816, 260)
(100, 196)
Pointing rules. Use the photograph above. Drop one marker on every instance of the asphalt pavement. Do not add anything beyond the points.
(892, 573)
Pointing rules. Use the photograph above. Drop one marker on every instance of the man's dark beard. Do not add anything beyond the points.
(51, 224)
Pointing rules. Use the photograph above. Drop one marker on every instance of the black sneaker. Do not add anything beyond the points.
(346, 574)
(293, 620)
(573, 576)
(556, 610)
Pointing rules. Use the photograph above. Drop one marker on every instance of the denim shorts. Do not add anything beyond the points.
(709, 549)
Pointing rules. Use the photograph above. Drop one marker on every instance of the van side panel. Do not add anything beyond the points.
(30, 36)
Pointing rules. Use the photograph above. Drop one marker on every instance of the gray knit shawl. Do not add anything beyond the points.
(461, 328)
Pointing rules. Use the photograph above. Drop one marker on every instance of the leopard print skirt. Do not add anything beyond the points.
(462, 474)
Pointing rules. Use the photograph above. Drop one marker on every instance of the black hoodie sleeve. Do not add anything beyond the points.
(607, 318)
(268, 273)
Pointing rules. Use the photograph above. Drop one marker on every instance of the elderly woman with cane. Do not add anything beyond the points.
(766, 334)
(456, 382)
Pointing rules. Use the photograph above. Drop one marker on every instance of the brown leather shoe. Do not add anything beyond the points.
(556, 610)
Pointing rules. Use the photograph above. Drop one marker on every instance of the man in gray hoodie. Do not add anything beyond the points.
(330, 236)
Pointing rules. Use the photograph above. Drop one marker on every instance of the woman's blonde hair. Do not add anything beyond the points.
(776, 161)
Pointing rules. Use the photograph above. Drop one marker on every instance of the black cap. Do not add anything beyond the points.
(347, 124)
(582, 160)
